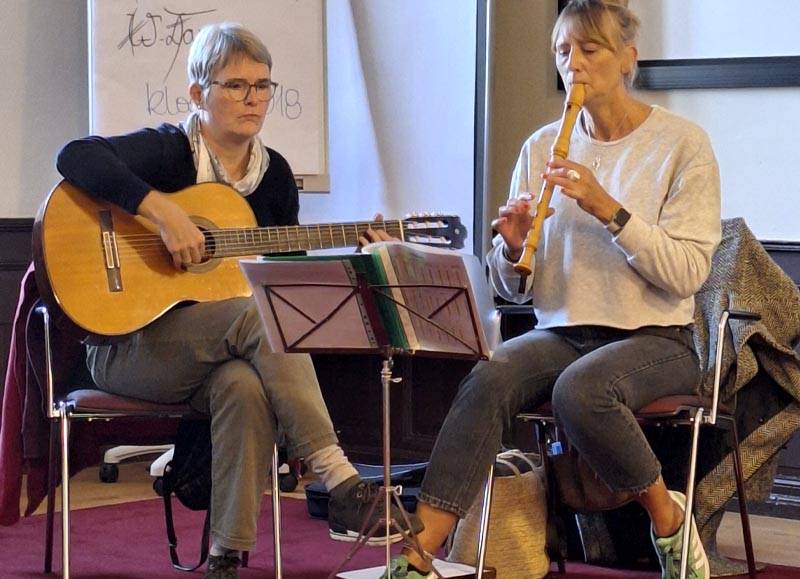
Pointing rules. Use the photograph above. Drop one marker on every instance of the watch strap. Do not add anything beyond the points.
(618, 221)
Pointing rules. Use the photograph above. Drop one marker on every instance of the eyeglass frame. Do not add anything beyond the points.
(250, 86)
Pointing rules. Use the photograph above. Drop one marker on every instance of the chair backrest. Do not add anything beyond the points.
(70, 374)
(68, 357)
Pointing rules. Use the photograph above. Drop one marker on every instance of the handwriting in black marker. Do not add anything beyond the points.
(286, 103)
(147, 38)
(144, 32)
(180, 37)
(161, 104)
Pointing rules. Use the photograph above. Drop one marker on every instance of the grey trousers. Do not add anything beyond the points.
(216, 356)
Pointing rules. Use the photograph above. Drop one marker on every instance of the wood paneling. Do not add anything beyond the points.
(15, 256)
(351, 384)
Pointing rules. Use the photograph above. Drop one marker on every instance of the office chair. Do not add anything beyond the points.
(96, 405)
(693, 411)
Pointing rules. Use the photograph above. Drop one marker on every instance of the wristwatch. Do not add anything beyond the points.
(619, 221)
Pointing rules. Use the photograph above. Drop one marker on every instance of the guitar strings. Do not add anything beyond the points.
(233, 242)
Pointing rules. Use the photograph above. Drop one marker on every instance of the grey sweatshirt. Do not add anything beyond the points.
(665, 173)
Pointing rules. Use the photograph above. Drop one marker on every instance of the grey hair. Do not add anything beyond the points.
(587, 18)
(216, 44)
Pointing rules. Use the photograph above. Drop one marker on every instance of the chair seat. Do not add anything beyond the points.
(661, 407)
(673, 405)
(99, 402)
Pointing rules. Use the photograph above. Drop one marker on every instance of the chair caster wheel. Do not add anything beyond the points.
(287, 483)
(109, 473)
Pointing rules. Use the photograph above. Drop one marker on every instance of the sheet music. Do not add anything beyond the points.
(445, 298)
(395, 295)
(312, 307)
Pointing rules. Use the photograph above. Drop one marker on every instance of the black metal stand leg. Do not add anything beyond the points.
(389, 492)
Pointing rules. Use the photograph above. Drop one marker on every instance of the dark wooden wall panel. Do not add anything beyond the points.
(15, 256)
(351, 384)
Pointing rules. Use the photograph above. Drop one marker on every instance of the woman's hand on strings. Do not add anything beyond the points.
(184, 241)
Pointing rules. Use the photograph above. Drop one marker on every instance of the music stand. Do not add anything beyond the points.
(374, 303)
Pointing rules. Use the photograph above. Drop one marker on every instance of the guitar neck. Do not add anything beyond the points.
(235, 242)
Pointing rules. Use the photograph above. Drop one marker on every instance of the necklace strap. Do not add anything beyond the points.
(613, 136)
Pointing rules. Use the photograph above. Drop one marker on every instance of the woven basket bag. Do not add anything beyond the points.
(517, 523)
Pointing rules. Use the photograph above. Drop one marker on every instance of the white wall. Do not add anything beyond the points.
(43, 96)
(754, 131)
(401, 84)
(401, 105)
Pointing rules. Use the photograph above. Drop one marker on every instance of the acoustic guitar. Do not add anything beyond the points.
(110, 273)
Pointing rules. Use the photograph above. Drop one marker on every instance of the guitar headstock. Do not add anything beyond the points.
(445, 231)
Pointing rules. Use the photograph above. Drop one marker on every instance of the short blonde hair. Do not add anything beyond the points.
(588, 18)
(216, 44)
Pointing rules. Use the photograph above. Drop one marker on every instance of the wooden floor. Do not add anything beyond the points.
(775, 540)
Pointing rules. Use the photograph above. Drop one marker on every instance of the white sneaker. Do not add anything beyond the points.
(668, 549)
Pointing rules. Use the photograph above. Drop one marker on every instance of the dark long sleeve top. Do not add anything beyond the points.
(123, 169)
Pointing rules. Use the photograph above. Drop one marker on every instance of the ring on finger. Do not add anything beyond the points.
(573, 175)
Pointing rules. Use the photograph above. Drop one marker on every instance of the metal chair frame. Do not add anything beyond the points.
(98, 405)
(694, 411)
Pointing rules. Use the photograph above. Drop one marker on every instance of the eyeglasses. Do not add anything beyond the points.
(238, 89)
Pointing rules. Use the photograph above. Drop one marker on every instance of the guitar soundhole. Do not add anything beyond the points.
(209, 262)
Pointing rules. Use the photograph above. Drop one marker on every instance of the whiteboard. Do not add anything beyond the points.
(137, 69)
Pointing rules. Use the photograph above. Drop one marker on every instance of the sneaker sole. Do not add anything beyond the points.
(681, 500)
(352, 537)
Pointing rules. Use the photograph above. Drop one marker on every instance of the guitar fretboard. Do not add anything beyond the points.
(285, 239)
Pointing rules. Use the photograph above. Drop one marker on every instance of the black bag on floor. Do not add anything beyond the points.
(188, 477)
(408, 475)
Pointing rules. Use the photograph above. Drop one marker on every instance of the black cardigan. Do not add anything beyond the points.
(123, 169)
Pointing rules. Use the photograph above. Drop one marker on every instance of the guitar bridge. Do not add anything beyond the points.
(110, 251)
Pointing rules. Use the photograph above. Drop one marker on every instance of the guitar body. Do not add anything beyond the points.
(110, 274)
(72, 268)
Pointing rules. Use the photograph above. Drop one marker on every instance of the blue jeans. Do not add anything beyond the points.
(596, 377)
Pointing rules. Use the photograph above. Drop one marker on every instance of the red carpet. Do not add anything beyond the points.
(129, 542)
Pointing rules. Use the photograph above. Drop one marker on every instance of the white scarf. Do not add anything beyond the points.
(210, 169)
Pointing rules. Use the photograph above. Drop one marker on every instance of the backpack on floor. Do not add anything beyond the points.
(188, 477)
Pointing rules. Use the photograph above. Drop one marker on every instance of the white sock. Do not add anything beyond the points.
(331, 465)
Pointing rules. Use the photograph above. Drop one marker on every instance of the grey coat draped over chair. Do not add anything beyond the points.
(760, 367)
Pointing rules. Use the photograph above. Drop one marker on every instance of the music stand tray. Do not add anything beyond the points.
(393, 298)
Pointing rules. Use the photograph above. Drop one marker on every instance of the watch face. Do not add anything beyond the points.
(621, 218)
